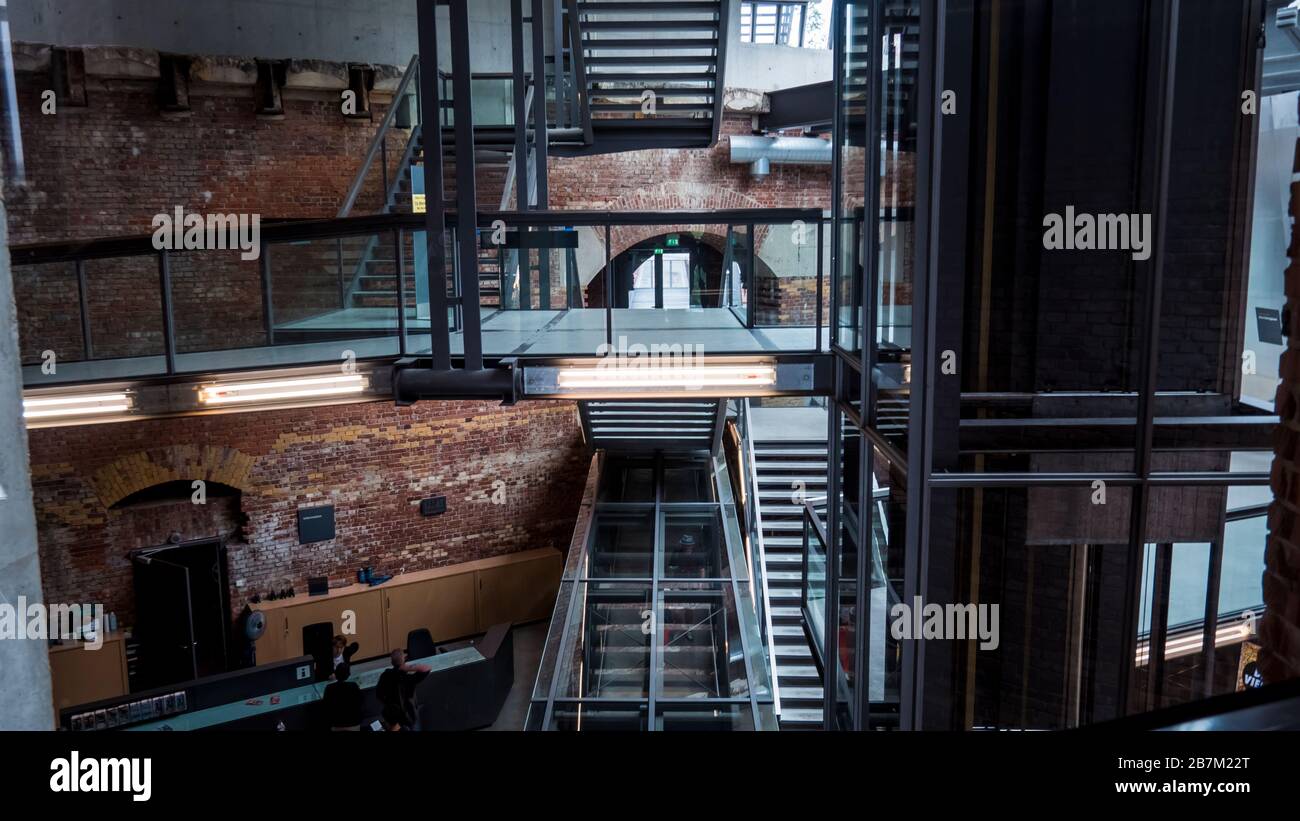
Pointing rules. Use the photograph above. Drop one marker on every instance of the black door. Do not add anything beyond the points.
(164, 629)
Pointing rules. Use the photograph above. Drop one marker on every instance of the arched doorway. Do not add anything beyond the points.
(677, 270)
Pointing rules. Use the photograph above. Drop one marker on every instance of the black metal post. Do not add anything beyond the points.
(165, 293)
(401, 289)
(435, 221)
(1210, 629)
(88, 349)
(268, 307)
(541, 144)
(520, 95)
(466, 207)
(1161, 50)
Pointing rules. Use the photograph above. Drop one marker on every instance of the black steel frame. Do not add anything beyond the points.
(947, 33)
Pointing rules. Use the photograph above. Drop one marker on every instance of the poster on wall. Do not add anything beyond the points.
(1248, 677)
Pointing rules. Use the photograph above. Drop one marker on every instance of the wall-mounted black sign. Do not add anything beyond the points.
(434, 506)
(1268, 323)
(315, 524)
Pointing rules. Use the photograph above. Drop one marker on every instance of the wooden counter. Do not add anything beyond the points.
(452, 602)
(79, 675)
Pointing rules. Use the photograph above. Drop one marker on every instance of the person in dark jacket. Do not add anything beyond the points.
(396, 687)
(342, 700)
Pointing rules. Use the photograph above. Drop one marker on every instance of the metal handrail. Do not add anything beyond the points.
(756, 534)
(412, 69)
(310, 229)
(579, 58)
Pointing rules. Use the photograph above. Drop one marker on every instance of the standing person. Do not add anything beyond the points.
(342, 701)
(396, 687)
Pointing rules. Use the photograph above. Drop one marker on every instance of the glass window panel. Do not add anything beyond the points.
(703, 654)
(694, 545)
(627, 480)
(622, 545)
(688, 482)
(607, 652)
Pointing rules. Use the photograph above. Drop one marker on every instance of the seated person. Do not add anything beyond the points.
(342, 701)
(393, 718)
(342, 654)
(396, 687)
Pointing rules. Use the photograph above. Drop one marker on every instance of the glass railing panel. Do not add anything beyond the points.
(627, 480)
(606, 652)
(50, 327)
(542, 289)
(125, 309)
(622, 545)
(814, 595)
(790, 299)
(695, 546)
(682, 285)
(218, 310)
(325, 291)
(702, 653)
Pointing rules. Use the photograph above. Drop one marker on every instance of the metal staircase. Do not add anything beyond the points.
(786, 473)
(653, 72)
(681, 426)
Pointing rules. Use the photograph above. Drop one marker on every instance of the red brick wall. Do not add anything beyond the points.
(373, 461)
(699, 177)
(1279, 630)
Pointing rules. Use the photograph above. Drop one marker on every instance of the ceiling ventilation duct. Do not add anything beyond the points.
(762, 152)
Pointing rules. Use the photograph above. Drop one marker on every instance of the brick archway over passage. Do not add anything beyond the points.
(146, 468)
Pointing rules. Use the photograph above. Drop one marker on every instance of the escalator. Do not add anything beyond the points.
(655, 625)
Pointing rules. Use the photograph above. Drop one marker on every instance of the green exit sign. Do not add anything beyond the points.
(673, 240)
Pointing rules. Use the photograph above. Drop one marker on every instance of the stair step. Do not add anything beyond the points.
(801, 716)
(788, 631)
(786, 612)
(797, 673)
(793, 651)
(786, 479)
(760, 451)
(800, 693)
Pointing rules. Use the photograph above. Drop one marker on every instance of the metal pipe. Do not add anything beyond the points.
(780, 150)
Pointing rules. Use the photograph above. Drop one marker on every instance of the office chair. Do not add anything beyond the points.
(318, 642)
(419, 644)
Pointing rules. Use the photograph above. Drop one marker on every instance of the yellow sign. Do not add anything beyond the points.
(417, 203)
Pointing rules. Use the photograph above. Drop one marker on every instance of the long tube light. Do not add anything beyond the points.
(278, 389)
(1184, 645)
(666, 376)
(82, 404)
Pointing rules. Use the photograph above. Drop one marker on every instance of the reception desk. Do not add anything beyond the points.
(465, 689)
(452, 602)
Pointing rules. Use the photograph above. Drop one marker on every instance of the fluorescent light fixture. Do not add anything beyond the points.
(277, 389)
(666, 376)
(81, 404)
(1184, 645)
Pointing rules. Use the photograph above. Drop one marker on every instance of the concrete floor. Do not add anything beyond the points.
(529, 639)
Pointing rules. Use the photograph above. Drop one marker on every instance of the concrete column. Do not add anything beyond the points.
(26, 701)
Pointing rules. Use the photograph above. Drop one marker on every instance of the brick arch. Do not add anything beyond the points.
(143, 469)
(674, 196)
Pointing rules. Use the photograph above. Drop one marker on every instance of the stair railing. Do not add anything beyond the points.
(379, 142)
(379, 147)
(578, 65)
(754, 524)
